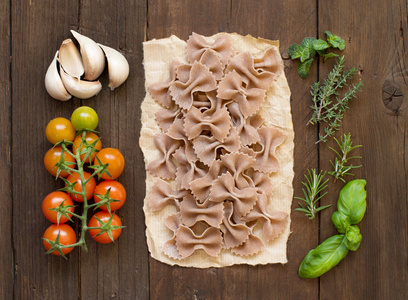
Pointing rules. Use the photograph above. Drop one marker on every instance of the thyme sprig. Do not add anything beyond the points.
(325, 109)
(314, 186)
(340, 162)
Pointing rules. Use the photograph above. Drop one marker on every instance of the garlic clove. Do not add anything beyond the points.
(92, 56)
(53, 82)
(80, 88)
(70, 59)
(118, 67)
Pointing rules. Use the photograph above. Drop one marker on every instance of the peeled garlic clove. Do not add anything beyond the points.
(80, 88)
(118, 67)
(53, 82)
(70, 59)
(92, 56)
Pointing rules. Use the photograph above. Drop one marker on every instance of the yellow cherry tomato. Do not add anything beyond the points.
(60, 129)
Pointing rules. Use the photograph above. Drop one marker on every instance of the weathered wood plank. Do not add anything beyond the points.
(264, 20)
(121, 269)
(375, 34)
(6, 251)
(289, 22)
(38, 28)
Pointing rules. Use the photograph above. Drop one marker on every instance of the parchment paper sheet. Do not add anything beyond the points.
(158, 55)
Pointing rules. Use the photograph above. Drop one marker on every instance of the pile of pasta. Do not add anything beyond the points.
(215, 154)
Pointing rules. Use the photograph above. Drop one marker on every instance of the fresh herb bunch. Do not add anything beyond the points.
(340, 163)
(81, 157)
(314, 186)
(311, 46)
(324, 108)
(351, 208)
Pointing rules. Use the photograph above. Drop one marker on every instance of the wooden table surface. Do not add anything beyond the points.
(31, 31)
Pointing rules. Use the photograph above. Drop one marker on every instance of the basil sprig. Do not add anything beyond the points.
(351, 208)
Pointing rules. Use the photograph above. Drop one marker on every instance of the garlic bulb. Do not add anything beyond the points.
(70, 59)
(80, 88)
(92, 56)
(53, 82)
(118, 67)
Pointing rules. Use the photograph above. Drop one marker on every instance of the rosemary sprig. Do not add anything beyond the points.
(314, 186)
(339, 164)
(324, 108)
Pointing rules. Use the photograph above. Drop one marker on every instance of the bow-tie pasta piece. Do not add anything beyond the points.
(197, 45)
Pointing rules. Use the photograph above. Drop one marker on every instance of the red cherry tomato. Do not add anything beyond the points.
(52, 157)
(117, 192)
(104, 217)
(53, 200)
(67, 236)
(90, 186)
(115, 160)
(90, 137)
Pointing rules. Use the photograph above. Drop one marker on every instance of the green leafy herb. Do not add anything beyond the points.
(335, 41)
(324, 108)
(339, 164)
(314, 186)
(311, 46)
(351, 208)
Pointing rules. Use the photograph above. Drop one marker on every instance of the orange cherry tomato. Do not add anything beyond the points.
(67, 236)
(115, 160)
(53, 200)
(117, 192)
(60, 129)
(90, 186)
(104, 217)
(52, 157)
(90, 137)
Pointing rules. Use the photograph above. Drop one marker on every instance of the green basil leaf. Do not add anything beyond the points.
(323, 258)
(304, 68)
(295, 51)
(321, 52)
(353, 238)
(308, 43)
(340, 221)
(319, 45)
(352, 200)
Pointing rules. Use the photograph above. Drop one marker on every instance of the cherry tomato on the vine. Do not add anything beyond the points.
(90, 137)
(52, 157)
(117, 192)
(59, 129)
(90, 186)
(115, 160)
(104, 217)
(67, 236)
(84, 117)
(53, 200)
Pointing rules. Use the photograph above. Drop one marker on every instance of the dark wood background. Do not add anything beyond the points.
(31, 31)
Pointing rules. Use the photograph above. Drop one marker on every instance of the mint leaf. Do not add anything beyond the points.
(329, 55)
(335, 41)
(304, 68)
(305, 54)
(308, 43)
(319, 45)
(295, 51)
(321, 52)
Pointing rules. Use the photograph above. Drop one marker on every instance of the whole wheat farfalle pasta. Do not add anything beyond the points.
(216, 169)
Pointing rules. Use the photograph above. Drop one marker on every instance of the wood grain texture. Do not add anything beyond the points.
(6, 251)
(34, 42)
(119, 270)
(31, 31)
(375, 32)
